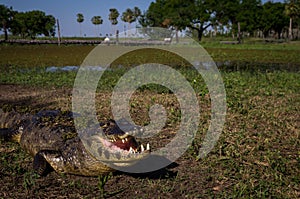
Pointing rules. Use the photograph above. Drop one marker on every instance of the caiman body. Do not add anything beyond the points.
(56, 146)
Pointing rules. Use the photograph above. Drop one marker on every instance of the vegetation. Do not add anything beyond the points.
(292, 10)
(5, 19)
(97, 21)
(238, 18)
(113, 17)
(247, 16)
(257, 155)
(131, 15)
(27, 24)
(80, 19)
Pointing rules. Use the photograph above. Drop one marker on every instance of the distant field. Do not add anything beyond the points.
(52, 55)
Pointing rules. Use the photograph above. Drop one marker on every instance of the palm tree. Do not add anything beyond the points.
(128, 16)
(292, 10)
(113, 17)
(97, 21)
(80, 19)
(137, 13)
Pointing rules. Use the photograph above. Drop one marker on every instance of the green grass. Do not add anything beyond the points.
(51, 55)
(28, 56)
(26, 64)
(257, 155)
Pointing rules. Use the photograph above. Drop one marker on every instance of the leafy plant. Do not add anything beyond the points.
(102, 180)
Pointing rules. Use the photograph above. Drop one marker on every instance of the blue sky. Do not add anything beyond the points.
(66, 11)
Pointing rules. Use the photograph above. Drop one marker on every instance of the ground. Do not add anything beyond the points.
(257, 158)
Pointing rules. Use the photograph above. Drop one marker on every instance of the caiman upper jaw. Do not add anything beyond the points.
(128, 143)
(123, 140)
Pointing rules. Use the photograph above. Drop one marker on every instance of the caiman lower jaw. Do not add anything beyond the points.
(125, 154)
(126, 144)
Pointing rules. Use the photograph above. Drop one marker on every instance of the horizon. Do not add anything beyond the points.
(67, 10)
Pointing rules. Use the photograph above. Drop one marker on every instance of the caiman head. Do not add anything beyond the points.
(117, 148)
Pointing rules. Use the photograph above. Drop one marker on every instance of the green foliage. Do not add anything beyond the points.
(292, 9)
(102, 180)
(29, 180)
(6, 15)
(199, 15)
(226, 11)
(97, 20)
(128, 16)
(80, 17)
(180, 14)
(131, 15)
(113, 16)
(273, 18)
(33, 23)
(249, 15)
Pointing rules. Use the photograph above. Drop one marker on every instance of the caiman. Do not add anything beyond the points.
(56, 146)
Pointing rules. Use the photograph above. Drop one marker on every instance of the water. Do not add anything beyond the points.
(54, 69)
(222, 66)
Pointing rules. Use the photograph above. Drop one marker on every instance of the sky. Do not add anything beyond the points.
(66, 10)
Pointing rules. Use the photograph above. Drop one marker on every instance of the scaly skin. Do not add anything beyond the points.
(56, 146)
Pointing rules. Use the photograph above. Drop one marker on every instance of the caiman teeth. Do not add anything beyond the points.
(142, 148)
(124, 136)
(131, 150)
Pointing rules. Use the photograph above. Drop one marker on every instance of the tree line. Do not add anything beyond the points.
(194, 16)
(128, 16)
(35, 23)
(26, 24)
(235, 16)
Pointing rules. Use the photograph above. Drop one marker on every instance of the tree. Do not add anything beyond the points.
(113, 16)
(226, 12)
(33, 23)
(231, 13)
(292, 10)
(6, 15)
(202, 18)
(273, 18)
(128, 16)
(137, 13)
(97, 21)
(249, 15)
(80, 19)
(155, 14)
(196, 15)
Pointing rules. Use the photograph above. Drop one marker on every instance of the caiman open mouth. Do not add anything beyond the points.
(128, 143)
(120, 141)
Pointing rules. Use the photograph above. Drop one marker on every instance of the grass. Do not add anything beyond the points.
(257, 155)
(40, 56)
(51, 55)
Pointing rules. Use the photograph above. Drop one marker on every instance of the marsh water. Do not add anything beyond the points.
(226, 66)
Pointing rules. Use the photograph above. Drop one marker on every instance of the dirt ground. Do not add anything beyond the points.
(19, 181)
(212, 177)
